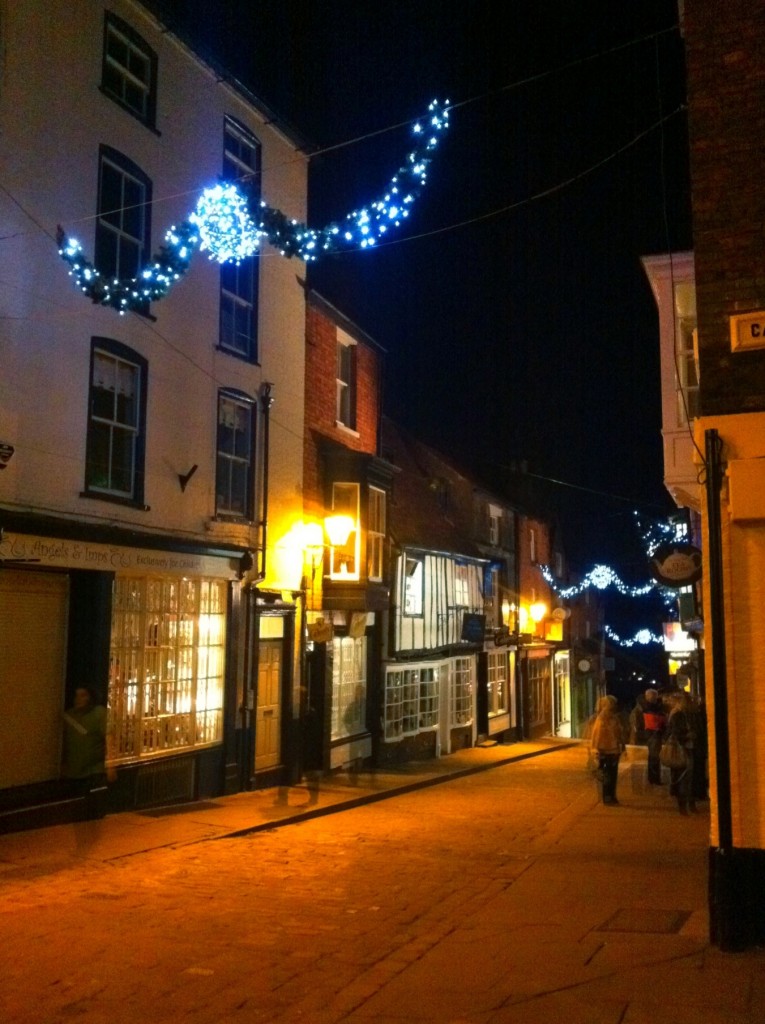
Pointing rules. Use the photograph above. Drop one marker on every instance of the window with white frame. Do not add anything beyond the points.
(349, 686)
(235, 455)
(461, 691)
(411, 700)
(686, 352)
(166, 665)
(495, 521)
(114, 460)
(414, 582)
(129, 69)
(239, 282)
(344, 561)
(562, 675)
(498, 683)
(122, 219)
(376, 534)
(346, 382)
(461, 585)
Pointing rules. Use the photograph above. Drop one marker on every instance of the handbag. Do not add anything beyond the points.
(672, 753)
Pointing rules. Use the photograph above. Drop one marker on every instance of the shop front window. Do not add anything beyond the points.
(349, 686)
(166, 665)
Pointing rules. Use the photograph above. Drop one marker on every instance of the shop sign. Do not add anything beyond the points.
(321, 631)
(747, 331)
(357, 625)
(502, 636)
(473, 627)
(676, 564)
(16, 548)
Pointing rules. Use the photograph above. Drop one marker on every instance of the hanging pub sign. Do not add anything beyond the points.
(473, 627)
(321, 631)
(676, 564)
(357, 624)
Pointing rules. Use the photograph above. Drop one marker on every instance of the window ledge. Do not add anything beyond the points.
(115, 499)
(346, 430)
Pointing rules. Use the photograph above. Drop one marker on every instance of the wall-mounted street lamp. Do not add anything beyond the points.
(336, 528)
(538, 611)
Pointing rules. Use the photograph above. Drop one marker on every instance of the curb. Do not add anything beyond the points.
(371, 798)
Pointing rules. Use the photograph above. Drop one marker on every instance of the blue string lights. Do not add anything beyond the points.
(643, 637)
(230, 226)
(601, 577)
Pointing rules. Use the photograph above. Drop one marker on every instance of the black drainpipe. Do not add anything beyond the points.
(725, 921)
(265, 402)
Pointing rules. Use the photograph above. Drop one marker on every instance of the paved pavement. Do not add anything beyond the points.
(462, 896)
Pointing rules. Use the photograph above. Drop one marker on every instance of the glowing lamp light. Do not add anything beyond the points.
(537, 611)
(338, 529)
(312, 536)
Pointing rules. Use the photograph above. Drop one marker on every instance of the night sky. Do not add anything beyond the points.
(520, 327)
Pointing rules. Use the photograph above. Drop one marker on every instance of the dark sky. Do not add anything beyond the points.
(529, 334)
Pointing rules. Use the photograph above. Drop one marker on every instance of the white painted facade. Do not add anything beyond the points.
(55, 115)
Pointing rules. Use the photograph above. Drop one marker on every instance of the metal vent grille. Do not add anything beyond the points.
(165, 782)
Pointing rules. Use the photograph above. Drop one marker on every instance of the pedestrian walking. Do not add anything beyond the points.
(680, 729)
(607, 744)
(654, 721)
(84, 763)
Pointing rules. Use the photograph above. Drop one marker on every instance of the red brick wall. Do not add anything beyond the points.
(726, 118)
(320, 398)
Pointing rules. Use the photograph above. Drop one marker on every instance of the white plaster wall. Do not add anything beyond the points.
(52, 119)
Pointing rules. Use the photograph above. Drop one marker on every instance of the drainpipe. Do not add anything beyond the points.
(725, 923)
(265, 403)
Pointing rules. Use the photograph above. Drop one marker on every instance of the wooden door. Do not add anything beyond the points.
(268, 716)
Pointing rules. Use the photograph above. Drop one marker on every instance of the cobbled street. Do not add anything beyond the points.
(483, 899)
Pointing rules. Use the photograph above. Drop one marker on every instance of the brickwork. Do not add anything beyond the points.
(321, 397)
(726, 115)
(726, 111)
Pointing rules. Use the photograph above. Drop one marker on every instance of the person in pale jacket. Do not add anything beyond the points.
(607, 744)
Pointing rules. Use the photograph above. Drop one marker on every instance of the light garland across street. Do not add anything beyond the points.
(225, 225)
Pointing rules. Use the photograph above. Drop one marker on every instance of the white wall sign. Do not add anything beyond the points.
(747, 331)
(20, 549)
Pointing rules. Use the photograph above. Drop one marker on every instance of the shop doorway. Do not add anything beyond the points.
(268, 713)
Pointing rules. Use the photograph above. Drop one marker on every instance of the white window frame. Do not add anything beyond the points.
(123, 429)
(495, 521)
(167, 665)
(411, 700)
(344, 561)
(376, 530)
(345, 382)
(232, 461)
(461, 689)
(461, 585)
(125, 248)
(121, 79)
(239, 283)
(413, 584)
(498, 683)
(349, 686)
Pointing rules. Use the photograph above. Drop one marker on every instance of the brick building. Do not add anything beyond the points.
(726, 111)
(345, 483)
